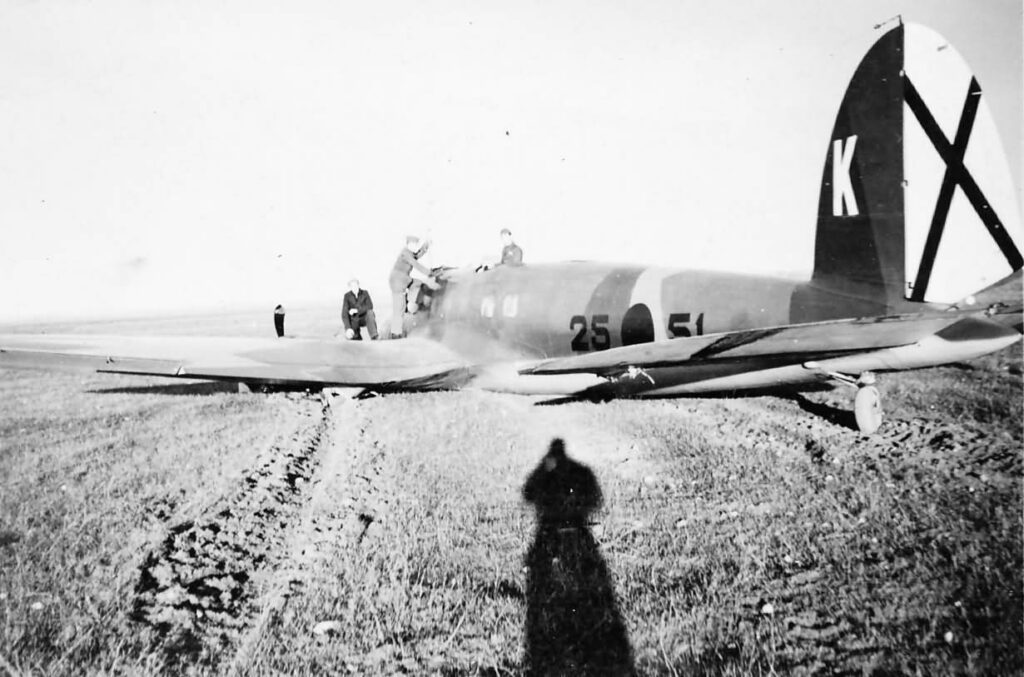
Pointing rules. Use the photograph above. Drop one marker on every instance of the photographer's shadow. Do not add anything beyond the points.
(573, 625)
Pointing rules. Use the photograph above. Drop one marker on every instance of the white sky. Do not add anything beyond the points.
(169, 156)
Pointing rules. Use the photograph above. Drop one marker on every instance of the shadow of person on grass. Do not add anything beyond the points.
(573, 625)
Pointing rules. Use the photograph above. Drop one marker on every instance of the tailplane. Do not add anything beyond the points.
(917, 203)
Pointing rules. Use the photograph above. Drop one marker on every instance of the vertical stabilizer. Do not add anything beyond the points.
(916, 201)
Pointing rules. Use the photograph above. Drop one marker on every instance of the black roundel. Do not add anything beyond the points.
(637, 325)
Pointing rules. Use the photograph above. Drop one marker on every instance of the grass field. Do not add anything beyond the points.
(149, 526)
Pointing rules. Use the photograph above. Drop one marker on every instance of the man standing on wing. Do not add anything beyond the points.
(401, 277)
(357, 311)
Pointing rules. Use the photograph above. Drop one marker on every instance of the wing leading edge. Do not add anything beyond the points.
(407, 364)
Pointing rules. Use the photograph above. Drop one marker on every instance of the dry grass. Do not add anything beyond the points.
(91, 479)
(741, 536)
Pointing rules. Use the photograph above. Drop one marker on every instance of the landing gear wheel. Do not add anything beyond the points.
(867, 409)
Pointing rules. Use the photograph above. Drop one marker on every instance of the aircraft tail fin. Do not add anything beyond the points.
(917, 203)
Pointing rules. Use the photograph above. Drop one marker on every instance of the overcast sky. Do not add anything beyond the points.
(169, 156)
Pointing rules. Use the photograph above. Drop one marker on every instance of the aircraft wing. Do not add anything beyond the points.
(791, 344)
(404, 364)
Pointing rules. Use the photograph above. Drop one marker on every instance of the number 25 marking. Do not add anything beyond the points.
(600, 338)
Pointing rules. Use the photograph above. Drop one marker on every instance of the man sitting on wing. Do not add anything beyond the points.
(357, 311)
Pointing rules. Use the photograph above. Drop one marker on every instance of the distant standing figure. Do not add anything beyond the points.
(401, 277)
(357, 311)
(511, 253)
(279, 320)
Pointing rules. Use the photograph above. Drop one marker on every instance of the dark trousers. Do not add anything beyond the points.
(368, 320)
(398, 283)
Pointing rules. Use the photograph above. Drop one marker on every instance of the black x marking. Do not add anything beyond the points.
(956, 174)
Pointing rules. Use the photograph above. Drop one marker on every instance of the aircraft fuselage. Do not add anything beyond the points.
(554, 310)
(509, 316)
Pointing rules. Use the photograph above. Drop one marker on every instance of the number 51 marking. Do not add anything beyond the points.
(678, 325)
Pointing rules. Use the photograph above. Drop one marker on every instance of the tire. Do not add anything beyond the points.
(867, 409)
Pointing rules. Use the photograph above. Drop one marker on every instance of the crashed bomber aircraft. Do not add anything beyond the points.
(916, 263)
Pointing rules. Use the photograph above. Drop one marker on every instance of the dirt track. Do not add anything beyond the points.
(198, 589)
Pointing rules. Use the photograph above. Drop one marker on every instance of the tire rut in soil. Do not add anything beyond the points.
(347, 507)
(197, 590)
